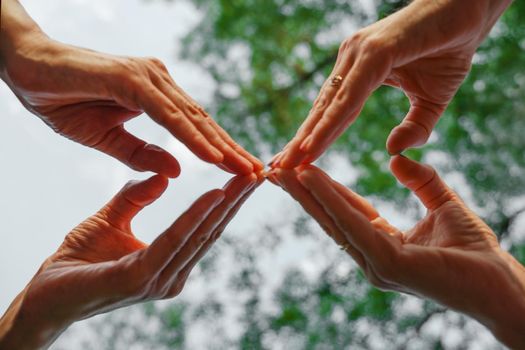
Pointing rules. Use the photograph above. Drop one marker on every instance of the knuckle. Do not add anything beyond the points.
(129, 67)
(354, 41)
(156, 63)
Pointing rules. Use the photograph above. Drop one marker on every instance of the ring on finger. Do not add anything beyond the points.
(336, 80)
(345, 247)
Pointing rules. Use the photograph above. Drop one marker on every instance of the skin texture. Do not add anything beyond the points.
(424, 49)
(87, 97)
(450, 255)
(102, 266)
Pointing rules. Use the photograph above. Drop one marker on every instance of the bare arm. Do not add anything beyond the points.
(87, 96)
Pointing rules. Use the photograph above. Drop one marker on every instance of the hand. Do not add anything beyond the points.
(102, 266)
(425, 50)
(87, 97)
(450, 256)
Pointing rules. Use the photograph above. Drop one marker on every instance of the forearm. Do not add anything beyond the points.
(508, 311)
(20, 330)
(17, 29)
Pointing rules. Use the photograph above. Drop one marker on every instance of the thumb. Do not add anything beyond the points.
(138, 154)
(423, 181)
(131, 199)
(415, 129)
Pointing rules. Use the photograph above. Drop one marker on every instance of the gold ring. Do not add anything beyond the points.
(345, 247)
(336, 80)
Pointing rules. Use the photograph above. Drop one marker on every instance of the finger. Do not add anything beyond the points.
(287, 179)
(202, 122)
(131, 199)
(163, 111)
(346, 101)
(162, 250)
(138, 154)
(416, 127)
(292, 151)
(177, 285)
(225, 138)
(354, 199)
(257, 165)
(423, 181)
(377, 247)
(346, 105)
(234, 191)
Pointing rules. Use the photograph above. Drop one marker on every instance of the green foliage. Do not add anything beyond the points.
(269, 59)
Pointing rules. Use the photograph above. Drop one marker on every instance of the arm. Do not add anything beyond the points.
(102, 266)
(16, 28)
(450, 256)
(424, 49)
(87, 96)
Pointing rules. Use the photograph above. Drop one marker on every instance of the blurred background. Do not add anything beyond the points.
(274, 281)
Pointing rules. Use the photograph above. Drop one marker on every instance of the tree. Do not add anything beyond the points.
(269, 59)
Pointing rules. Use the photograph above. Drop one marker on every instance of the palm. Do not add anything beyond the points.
(95, 241)
(90, 255)
(432, 80)
(88, 123)
(452, 226)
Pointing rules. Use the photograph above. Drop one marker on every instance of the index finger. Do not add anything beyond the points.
(351, 87)
(160, 252)
(288, 180)
(353, 224)
(163, 111)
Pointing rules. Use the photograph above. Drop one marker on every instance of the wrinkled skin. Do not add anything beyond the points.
(87, 97)
(450, 256)
(424, 49)
(102, 266)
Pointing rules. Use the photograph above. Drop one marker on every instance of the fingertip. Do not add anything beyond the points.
(406, 135)
(274, 159)
(161, 180)
(237, 166)
(410, 173)
(244, 180)
(257, 164)
(154, 158)
(142, 193)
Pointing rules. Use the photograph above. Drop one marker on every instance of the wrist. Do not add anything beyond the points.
(17, 30)
(506, 316)
(20, 329)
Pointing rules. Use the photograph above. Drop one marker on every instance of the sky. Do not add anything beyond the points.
(49, 184)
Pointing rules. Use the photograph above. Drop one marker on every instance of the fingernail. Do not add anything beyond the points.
(274, 158)
(305, 145)
(275, 163)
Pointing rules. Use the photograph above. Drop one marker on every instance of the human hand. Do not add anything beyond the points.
(87, 97)
(424, 49)
(450, 256)
(102, 266)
